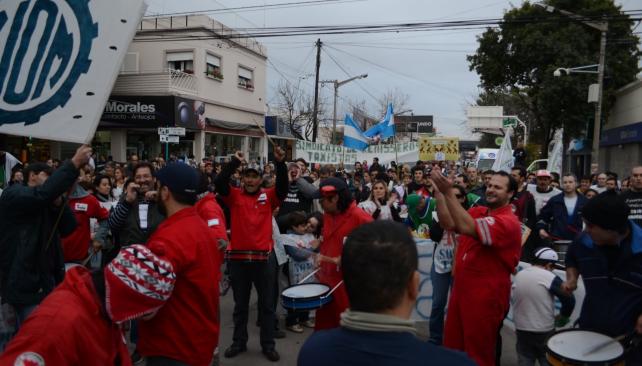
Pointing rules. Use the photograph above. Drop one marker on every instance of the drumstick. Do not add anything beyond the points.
(605, 344)
(335, 287)
(308, 276)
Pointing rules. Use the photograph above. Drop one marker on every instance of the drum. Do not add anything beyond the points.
(247, 256)
(561, 247)
(306, 296)
(572, 346)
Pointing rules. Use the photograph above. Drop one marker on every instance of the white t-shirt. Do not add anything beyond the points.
(541, 198)
(570, 203)
(534, 305)
(370, 207)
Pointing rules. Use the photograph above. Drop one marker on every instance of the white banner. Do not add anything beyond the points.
(59, 62)
(314, 152)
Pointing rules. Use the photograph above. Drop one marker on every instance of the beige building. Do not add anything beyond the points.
(621, 138)
(191, 72)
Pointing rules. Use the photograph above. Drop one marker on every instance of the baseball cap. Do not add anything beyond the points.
(543, 173)
(330, 187)
(179, 178)
(546, 254)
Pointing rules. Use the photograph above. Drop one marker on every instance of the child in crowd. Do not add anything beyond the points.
(534, 307)
(299, 244)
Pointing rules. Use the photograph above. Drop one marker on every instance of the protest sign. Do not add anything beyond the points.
(59, 62)
(314, 152)
(438, 148)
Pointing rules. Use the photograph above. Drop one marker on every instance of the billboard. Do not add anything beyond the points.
(438, 148)
(416, 124)
(153, 112)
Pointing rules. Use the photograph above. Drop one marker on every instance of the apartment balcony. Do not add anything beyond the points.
(154, 83)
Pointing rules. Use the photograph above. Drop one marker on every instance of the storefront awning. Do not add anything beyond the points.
(217, 125)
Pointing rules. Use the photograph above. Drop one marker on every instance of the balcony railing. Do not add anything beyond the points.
(156, 83)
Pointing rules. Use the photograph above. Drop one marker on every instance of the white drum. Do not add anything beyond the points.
(573, 346)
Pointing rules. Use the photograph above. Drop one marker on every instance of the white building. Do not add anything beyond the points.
(191, 72)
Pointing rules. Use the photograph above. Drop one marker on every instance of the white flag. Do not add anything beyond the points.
(59, 60)
(505, 160)
(555, 150)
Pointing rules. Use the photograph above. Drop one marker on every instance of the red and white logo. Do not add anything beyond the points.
(490, 220)
(29, 359)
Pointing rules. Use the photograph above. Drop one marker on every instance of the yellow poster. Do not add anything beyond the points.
(438, 148)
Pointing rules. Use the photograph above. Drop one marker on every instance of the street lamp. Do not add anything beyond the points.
(575, 70)
(337, 84)
(603, 27)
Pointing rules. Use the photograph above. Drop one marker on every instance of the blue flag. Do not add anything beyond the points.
(385, 128)
(353, 138)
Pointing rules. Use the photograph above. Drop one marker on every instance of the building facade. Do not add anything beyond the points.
(191, 72)
(621, 137)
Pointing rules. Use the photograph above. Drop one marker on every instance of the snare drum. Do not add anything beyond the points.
(306, 296)
(570, 347)
(247, 256)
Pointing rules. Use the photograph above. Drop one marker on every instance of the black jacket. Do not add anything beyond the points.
(30, 265)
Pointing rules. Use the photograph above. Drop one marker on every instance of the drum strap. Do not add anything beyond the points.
(372, 322)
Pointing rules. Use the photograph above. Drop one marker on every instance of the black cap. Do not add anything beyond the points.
(330, 186)
(249, 170)
(607, 210)
(179, 178)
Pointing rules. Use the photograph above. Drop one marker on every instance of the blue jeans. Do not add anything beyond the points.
(440, 286)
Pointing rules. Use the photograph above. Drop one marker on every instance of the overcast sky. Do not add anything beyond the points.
(430, 67)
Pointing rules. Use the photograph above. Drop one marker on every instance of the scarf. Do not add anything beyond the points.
(373, 322)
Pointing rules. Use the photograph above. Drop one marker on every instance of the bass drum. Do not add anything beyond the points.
(572, 346)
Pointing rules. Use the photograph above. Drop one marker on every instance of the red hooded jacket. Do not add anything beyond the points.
(70, 327)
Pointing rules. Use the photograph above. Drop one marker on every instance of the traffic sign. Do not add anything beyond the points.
(169, 138)
(509, 122)
(174, 131)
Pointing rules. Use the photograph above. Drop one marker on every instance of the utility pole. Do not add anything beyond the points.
(595, 150)
(315, 112)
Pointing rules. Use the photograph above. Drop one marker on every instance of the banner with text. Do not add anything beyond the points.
(59, 62)
(438, 148)
(314, 152)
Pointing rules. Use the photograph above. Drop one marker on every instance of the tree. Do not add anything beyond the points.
(520, 56)
(296, 108)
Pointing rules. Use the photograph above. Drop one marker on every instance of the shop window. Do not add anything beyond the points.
(181, 61)
(213, 67)
(246, 78)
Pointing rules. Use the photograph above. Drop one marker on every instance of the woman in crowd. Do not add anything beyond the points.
(380, 205)
(103, 190)
(441, 271)
(118, 183)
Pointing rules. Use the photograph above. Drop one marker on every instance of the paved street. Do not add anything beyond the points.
(289, 347)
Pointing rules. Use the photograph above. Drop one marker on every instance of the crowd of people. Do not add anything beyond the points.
(147, 248)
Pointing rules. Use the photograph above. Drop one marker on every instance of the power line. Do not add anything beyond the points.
(293, 4)
(348, 74)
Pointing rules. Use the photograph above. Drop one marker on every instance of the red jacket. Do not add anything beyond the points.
(251, 216)
(210, 211)
(335, 230)
(76, 245)
(69, 327)
(186, 328)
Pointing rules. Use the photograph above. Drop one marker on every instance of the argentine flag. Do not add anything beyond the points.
(385, 128)
(353, 138)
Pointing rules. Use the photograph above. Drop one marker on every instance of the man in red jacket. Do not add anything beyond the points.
(250, 247)
(341, 216)
(488, 252)
(85, 207)
(78, 323)
(185, 330)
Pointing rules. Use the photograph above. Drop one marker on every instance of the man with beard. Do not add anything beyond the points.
(542, 191)
(185, 330)
(488, 252)
(250, 253)
(136, 216)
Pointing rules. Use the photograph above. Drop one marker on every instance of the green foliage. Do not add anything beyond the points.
(517, 61)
